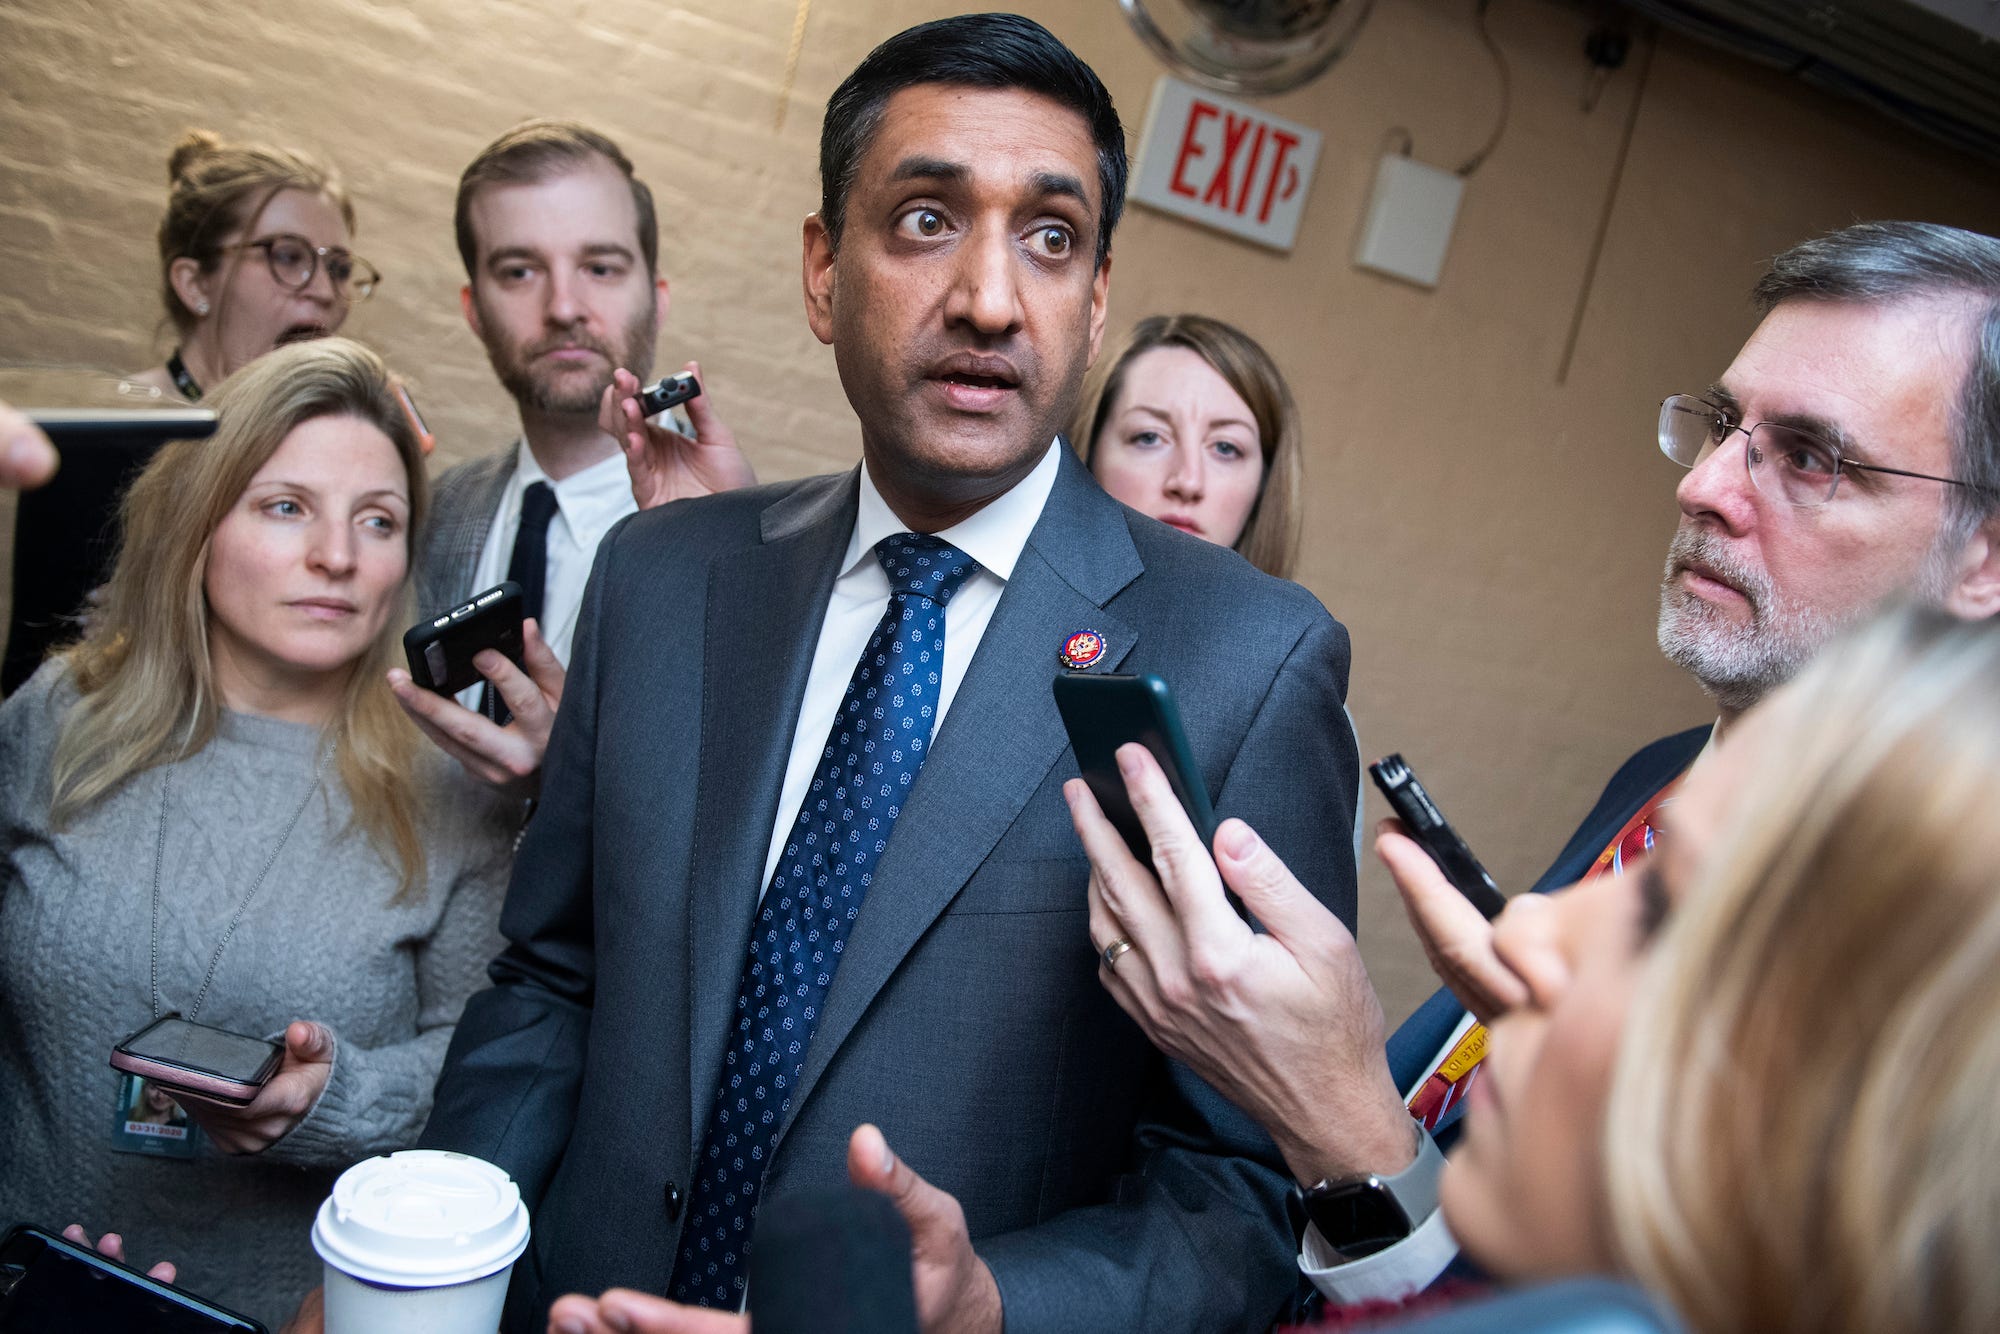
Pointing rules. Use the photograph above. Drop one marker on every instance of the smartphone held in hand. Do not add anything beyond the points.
(48, 1282)
(187, 1057)
(1102, 712)
(440, 649)
(1433, 833)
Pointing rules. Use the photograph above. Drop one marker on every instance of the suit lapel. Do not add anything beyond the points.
(765, 606)
(463, 506)
(470, 540)
(997, 743)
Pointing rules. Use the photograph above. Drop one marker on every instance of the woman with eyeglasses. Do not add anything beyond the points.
(255, 252)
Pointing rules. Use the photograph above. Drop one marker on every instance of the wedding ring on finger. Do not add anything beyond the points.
(1112, 952)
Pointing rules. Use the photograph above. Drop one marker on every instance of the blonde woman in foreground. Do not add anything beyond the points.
(1756, 1077)
(212, 805)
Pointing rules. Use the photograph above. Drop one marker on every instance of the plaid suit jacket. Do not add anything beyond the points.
(463, 501)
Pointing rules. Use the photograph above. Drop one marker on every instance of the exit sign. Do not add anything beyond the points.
(1224, 164)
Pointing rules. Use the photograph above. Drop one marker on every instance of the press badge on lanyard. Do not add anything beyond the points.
(146, 1120)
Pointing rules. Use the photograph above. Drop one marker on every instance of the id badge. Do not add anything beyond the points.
(147, 1120)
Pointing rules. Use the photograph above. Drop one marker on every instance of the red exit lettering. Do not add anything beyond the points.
(1239, 163)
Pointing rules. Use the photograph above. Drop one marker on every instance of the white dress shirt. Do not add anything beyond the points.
(994, 537)
(1390, 1275)
(587, 504)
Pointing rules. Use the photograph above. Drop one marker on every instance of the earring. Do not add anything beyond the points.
(201, 307)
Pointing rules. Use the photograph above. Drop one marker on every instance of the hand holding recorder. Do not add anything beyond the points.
(1449, 896)
(666, 465)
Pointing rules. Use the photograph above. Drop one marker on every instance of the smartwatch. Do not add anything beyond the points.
(1360, 1215)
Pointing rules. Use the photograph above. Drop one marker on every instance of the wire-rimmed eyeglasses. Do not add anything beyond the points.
(1792, 464)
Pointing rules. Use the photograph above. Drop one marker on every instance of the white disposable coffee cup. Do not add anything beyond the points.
(419, 1242)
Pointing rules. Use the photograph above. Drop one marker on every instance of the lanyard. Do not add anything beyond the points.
(182, 380)
(159, 855)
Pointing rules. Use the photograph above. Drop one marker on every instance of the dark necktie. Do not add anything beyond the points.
(872, 755)
(528, 567)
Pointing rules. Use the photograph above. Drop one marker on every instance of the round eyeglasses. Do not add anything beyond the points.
(294, 260)
(1795, 465)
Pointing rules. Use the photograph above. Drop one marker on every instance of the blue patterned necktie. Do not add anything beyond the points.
(873, 751)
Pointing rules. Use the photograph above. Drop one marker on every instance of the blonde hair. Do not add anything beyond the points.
(146, 685)
(214, 188)
(1801, 1133)
(1270, 540)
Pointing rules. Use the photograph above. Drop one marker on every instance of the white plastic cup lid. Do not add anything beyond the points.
(422, 1218)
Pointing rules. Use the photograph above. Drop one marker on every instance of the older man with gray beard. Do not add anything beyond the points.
(1849, 455)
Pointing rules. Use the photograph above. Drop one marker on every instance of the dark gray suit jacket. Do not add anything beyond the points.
(463, 501)
(1106, 1188)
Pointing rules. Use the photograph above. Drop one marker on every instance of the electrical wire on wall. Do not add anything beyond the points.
(1610, 203)
(1474, 162)
(792, 50)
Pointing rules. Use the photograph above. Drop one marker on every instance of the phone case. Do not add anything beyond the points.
(1102, 712)
(440, 649)
(194, 1078)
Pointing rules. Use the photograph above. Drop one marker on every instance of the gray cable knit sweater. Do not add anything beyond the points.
(321, 941)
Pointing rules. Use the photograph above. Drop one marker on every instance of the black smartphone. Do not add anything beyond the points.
(671, 392)
(50, 1283)
(440, 649)
(1427, 825)
(143, 428)
(214, 1063)
(1101, 713)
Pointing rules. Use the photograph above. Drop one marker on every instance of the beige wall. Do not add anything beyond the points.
(1491, 537)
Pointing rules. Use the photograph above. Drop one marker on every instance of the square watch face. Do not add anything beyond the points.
(1357, 1218)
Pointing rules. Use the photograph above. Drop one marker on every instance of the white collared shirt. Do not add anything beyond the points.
(587, 504)
(994, 537)
(1392, 1274)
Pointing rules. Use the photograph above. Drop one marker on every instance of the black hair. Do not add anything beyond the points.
(1880, 262)
(974, 51)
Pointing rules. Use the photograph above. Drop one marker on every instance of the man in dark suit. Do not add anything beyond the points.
(563, 286)
(758, 908)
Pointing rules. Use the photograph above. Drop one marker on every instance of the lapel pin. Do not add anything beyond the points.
(1081, 649)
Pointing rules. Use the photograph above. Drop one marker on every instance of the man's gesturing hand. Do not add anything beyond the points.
(955, 1289)
(623, 1311)
(666, 465)
(1284, 1024)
